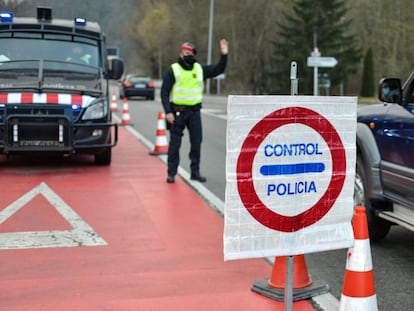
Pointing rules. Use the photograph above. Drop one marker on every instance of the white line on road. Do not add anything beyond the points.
(81, 235)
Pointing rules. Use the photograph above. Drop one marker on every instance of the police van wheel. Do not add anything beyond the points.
(104, 158)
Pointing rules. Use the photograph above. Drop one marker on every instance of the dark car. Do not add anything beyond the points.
(384, 181)
(135, 85)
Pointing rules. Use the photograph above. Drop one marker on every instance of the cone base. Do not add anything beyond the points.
(158, 153)
(125, 122)
(316, 288)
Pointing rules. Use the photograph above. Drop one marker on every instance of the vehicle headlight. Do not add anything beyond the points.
(96, 110)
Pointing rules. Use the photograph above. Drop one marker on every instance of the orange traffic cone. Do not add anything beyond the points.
(161, 145)
(358, 292)
(126, 119)
(303, 286)
(114, 103)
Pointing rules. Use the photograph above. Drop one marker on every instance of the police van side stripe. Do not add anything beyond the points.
(46, 98)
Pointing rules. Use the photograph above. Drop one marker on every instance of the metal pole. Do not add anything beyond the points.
(293, 78)
(159, 61)
(315, 81)
(289, 284)
(289, 259)
(315, 53)
(210, 35)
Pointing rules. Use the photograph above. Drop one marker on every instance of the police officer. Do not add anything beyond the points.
(181, 96)
(79, 56)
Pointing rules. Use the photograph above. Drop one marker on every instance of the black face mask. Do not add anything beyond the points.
(189, 59)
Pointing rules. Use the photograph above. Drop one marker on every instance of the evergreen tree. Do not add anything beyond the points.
(313, 23)
(368, 85)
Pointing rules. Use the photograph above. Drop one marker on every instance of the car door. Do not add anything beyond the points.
(397, 152)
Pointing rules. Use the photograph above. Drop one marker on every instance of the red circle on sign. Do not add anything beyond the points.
(245, 185)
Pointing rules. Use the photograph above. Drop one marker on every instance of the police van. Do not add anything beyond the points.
(54, 87)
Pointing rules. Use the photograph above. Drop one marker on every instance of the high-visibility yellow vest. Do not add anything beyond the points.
(188, 87)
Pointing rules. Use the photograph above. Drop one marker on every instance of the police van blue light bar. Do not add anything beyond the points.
(80, 21)
(6, 17)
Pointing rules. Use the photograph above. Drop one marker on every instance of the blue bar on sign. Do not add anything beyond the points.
(291, 169)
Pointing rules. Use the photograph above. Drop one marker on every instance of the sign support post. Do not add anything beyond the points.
(288, 294)
(316, 61)
(289, 284)
(315, 53)
(289, 259)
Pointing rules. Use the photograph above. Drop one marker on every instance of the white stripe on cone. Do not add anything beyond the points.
(125, 113)
(358, 304)
(359, 257)
(161, 144)
(161, 140)
(114, 103)
(161, 124)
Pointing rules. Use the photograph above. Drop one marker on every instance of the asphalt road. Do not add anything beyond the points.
(393, 258)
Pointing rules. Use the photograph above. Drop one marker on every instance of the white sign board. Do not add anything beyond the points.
(322, 61)
(290, 169)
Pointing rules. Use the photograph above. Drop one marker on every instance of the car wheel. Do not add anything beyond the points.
(104, 158)
(378, 228)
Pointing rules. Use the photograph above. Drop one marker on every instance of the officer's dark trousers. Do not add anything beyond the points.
(192, 120)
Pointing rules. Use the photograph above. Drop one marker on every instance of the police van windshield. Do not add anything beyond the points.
(16, 49)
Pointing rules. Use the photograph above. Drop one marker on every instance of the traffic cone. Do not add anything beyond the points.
(114, 103)
(303, 286)
(358, 292)
(126, 119)
(161, 145)
(301, 277)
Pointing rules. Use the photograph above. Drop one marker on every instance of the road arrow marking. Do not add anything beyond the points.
(81, 235)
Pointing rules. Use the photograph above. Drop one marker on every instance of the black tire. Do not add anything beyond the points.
(104, 158)
(378, 228)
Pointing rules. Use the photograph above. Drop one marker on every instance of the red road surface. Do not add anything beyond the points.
(163, 242)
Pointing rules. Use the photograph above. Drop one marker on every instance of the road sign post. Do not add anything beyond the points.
(317, 61)
(289, 259)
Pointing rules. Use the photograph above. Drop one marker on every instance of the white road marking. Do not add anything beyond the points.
(81, 235)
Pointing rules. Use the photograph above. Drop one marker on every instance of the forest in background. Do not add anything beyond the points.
(149, 33)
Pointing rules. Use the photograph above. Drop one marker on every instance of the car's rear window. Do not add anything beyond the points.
(138, 79)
